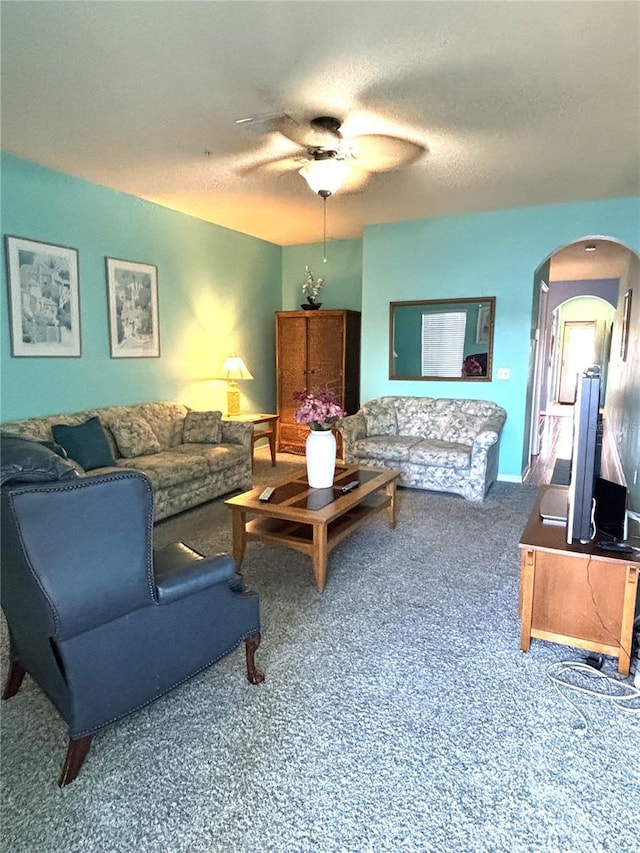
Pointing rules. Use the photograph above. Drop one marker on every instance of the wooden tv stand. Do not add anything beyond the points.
(577, 595)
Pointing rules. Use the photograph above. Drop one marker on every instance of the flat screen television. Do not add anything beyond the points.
(585, 458)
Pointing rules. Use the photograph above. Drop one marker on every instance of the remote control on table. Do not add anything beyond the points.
(266, 495)
(349, 486)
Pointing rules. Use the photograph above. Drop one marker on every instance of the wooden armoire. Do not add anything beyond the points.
(315, 349)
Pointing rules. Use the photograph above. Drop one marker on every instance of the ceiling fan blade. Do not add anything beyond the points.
(312, 133)
(355, 182)
(283, 123)
(379, 152)
(264, 122)
(275, 165)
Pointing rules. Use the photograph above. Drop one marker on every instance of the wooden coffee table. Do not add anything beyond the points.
(312, 521)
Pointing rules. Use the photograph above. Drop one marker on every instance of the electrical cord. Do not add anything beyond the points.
(583, 678)
(582, 681)
(594, 529)
(625, 692)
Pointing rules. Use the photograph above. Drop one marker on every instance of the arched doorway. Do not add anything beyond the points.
(575, 299)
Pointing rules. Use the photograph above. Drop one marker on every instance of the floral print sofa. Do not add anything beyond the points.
(190, 457)
(440, 444)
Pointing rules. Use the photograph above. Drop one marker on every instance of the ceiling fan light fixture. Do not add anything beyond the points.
(325, 177)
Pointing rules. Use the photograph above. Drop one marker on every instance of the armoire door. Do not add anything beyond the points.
(325, 353)
(291, 369)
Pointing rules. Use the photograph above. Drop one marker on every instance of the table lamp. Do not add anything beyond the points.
(232, 370)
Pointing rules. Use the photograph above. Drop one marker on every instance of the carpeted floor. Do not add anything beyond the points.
(398, 714)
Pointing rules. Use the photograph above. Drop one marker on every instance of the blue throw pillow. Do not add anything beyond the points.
(87, 443)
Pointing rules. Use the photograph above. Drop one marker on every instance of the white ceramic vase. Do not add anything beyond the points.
(321, 458)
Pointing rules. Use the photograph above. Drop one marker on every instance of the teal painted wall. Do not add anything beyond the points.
(486, 254)
(218, 290)
(342, 274)
(407, 341)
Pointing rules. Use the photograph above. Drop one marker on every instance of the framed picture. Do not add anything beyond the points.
(483, 328)
(626, 320)
(44, 301)
(132, 292)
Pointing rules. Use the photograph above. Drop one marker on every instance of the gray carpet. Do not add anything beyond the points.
(398, 714)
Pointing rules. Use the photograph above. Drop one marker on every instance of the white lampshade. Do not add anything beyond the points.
(325, 177)
(234, 368)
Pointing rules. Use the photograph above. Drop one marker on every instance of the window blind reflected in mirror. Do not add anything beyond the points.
(443, 343)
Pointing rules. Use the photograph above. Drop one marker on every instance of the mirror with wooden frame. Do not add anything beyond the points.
(448, 339)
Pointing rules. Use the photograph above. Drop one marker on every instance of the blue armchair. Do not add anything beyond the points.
(102, 623)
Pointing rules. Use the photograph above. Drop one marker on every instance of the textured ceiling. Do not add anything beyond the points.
(519, 103)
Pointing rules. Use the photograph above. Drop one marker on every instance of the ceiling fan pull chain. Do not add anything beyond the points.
(324, 243)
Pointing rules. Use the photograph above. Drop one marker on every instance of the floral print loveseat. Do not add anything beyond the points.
(440, 444)
(190, 457)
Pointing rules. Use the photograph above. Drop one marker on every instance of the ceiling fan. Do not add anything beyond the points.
(327, 158)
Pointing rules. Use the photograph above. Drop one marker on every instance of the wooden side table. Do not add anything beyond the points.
(576, 595)
(268, 431)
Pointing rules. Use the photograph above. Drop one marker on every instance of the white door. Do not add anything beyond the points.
(578, 353)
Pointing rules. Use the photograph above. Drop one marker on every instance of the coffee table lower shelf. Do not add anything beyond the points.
(312, 532)
(300, 535)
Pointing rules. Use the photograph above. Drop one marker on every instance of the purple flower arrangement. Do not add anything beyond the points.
(318, 408)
